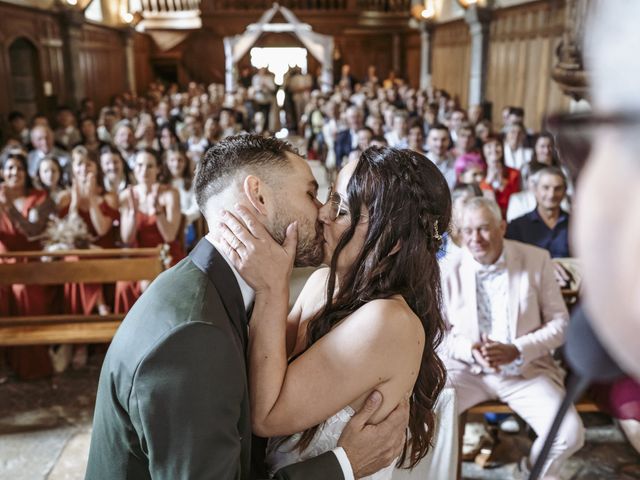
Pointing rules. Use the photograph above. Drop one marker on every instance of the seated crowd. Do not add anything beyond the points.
(122, 177)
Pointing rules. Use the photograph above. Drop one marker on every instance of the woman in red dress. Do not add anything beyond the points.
(86, 201)
(501, 180)
(24, 213)
(149, 216)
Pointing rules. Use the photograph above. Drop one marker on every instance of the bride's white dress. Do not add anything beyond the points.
(282, 451)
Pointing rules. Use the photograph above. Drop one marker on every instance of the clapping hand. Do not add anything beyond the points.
(263, 263)
(129, 212)
(4, 198)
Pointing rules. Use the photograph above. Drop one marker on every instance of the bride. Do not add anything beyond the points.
(370, 321)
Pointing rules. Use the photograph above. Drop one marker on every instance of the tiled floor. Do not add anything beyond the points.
(45, 430)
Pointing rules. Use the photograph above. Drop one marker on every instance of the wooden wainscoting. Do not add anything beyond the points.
(522, 43)
(451, 59)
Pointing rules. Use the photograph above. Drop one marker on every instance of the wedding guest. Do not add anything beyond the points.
(503, 181)
(505, 315)
(364, 136)
(88, 202)
(106, 123)
(415, 139)
(547, 225)
(124, 140)
(50, 178)
(515, 153)
(397, 137)
(470, 168)
(167, 138)
(88, 198)
(18, 128)
(346, 140)
(149, 217)
(212, 130)
(546, 154)
(438, 152)
(24, 213)
(181, 175)
(145, 133)
(89, 136)
(42, 141)
(465, 141)
(67, 134)
(483, 130)
(114, 169)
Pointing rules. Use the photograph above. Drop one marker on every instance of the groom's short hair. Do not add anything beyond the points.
(248, 154)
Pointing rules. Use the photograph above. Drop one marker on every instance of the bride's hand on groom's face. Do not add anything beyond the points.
(263, 263)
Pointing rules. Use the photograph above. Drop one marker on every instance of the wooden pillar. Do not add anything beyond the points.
(130, 59)
(426, 30)
(396, 54)
(478, 19)
(71, 22)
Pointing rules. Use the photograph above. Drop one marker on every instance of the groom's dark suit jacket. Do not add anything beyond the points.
(172, 401)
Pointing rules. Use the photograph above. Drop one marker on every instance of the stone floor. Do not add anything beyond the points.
(45, 428)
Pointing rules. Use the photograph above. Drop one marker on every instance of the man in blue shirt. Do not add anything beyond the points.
(547, 226)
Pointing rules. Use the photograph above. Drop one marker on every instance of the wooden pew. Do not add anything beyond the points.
(72, 266)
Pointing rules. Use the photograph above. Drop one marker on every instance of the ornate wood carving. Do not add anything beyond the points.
(569, 71)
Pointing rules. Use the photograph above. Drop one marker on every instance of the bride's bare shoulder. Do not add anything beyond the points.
(389, 321)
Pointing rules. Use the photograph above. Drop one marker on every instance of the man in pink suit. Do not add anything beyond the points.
(505, 316)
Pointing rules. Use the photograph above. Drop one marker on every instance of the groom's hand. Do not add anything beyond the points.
(372, 447)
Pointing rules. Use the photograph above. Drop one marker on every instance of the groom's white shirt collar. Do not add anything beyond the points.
(248, 294)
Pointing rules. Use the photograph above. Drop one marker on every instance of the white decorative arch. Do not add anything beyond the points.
(318, 45)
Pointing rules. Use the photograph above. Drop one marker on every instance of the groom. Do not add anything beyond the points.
(172, 401)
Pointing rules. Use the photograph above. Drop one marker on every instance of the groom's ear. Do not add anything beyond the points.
(253, 189)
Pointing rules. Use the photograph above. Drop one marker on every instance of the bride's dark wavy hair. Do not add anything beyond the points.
(409, 203)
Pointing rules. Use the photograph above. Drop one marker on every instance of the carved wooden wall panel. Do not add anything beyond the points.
(143, 48)
(451, 56)
(521, 57)
(42, 30)
(412, 58)
(102, 63)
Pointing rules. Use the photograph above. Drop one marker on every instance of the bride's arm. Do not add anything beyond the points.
(377, 342)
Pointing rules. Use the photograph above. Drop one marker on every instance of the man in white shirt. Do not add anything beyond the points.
(438, 142)
(515, 153)
(397, 137)
(505, 316)
(42, 141)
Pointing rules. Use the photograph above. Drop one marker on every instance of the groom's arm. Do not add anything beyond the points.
(186, 402)
(323, 467)
(363, 449)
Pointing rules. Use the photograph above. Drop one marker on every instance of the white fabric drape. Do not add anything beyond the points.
(318, 45)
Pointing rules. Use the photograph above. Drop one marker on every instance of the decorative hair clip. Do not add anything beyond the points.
(436, 235)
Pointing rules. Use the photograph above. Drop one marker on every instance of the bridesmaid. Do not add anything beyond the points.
(114, 169)
(149, 216)
(49, 178)
(98, 209)
(24, 213)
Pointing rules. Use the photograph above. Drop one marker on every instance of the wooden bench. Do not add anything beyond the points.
(584, 405)
(72, 266)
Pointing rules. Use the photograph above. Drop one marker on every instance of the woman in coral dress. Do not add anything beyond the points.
(24, 213)
(501, 180)
(149, 216)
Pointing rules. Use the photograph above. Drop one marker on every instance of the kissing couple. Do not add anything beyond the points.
(210, 354)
